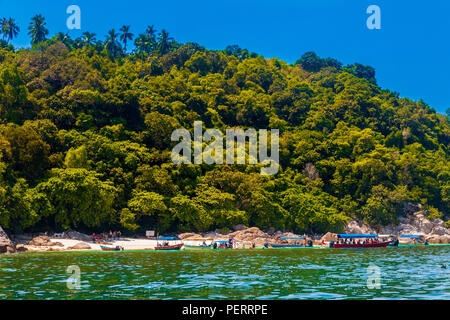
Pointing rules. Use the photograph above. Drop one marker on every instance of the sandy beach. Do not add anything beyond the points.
(126, 243)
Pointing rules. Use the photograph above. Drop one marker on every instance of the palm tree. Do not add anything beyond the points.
(88, 38)
(143, 44)
(112, 44)
(165, 42)
(5, 45)
(151, 32)
(125, 36)
(78, 43)
(3, 22)
(64, 38)
(9, 29)
(37, 29)
(146, 42)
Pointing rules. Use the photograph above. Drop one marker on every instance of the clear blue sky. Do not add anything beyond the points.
(411, 52)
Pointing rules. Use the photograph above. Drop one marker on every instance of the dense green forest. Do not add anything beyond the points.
(85, 137)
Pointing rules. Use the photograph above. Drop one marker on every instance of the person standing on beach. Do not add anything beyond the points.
(93, 237)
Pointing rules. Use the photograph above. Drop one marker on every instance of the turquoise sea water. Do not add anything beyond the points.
(404, 273)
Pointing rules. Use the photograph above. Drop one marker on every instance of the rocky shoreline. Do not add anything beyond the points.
(433, 230)
(416, 223)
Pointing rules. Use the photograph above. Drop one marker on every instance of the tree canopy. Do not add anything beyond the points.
(85, 138)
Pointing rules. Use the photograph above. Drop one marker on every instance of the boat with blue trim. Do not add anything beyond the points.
(164, 244)
(359, 241)
(296, 244)
(107, 248)
(198, 244)
(413, 240)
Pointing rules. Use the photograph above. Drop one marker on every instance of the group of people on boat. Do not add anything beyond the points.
(111, 236)
(232, 244)
(357, 241)
(224, 244)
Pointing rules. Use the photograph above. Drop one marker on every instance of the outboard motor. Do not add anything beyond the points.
(310, 243)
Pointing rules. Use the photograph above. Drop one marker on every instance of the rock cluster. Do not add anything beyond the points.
(80, 246)
(329, 237)
(189, 235)
(6, 245)
(242, 233)
(359, 227)
(248, 234)
(44, 241)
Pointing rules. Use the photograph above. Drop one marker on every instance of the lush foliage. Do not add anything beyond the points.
(85, 131)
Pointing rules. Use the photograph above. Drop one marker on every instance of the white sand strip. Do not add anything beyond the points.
(126, 243)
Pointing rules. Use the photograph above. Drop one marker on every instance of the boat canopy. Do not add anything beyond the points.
(292, 238)
(221, 241)
(414, 236)
(169, 238)
(353, 236)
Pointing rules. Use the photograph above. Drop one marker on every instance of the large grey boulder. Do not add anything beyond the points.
(441, 231)
(75, 235)
(421, 223)
(80, 246)
(329, 237)
(359, 227)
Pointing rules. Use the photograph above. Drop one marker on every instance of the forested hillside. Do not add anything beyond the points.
(85, 139)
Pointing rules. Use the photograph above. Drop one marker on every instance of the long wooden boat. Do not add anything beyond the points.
(172, 247)
(201, 244)
(197, 247)
(407, 244)
(288, 245)
(362, 245)
(105, 248)
(275, 245)
(355, 244)
(412, 240)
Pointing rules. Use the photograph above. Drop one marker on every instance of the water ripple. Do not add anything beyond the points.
(405, 273)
